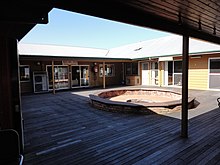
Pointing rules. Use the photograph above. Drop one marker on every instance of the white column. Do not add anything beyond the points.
(103, 75)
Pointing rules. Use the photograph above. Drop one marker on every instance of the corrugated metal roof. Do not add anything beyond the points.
(60, 51)
(165, 46)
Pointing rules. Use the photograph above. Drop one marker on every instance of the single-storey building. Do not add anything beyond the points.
(44, 67)
(153, 62)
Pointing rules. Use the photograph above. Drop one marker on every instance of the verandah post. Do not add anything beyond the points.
(103, 75)
(53, 80)
(185, 65)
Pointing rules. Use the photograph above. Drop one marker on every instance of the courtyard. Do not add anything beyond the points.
(65, 129)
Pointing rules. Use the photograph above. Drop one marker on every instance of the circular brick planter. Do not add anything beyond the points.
(144, 101)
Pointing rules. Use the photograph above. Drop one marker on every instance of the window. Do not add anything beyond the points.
(24, 73)
(128, 69)
(177, 66)
(177, 74)
(132, 68)
(109, 70)
(214, 65)
(214, 73)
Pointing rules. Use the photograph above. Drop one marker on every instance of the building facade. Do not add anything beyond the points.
(36, 75)
(46, 68)
(204, 72)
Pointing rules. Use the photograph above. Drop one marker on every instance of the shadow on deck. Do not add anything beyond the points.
(65, 129)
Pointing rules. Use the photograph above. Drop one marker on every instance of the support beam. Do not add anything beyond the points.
(53, 80)
(10, 103)
(6, 117)
(103, 76)
(185, 65)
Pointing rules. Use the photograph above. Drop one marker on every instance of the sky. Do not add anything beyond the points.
(73, 29)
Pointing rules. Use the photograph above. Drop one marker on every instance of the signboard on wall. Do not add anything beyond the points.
(70, 62)
(165, 58)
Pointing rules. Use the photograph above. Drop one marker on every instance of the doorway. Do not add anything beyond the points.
(174, 76)
(154, 73)
(61, 78)
(145, 73)
(80, 76)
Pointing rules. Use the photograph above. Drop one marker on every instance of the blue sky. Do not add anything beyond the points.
(73, 29)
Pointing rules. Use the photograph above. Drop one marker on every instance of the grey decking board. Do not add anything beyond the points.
(107, 137)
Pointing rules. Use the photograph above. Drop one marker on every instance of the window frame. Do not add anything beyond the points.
(212, 73)
(176, 68)
(29, 79)
(130, 66)
(210, 69)
(106, 66)
(57, 77)
(177, 73)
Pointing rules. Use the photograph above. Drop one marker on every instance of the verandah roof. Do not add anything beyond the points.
(165, 46)
(59, 51)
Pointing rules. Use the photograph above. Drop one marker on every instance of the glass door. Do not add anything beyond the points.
(61, 79)
(75, 76)
(80, 76)
(145, 74)
(170, 72)
(177, 73)
(84, 75)
(154, 73)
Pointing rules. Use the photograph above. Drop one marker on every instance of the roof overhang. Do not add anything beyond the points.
(199, 19)
(58, 58)
(17, 18)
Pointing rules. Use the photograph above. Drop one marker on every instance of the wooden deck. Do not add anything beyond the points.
(64, 129)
